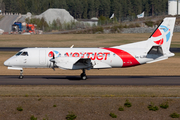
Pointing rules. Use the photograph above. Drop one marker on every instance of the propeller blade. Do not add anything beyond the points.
(53, 61)
(53, 56)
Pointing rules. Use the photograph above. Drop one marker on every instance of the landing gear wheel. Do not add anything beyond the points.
(21, 77)
(21, 74)
(83, 76)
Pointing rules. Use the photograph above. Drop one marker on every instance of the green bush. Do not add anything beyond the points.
(174, 115)
(113, 115)
(71, 116)
(164, 105)
(152, 107)
(127, 103)
(33, 118)
(149, 23)
(98, 29)
(121, 109)
(39, 99)
(26, 95)
(116, 28)
(125, 26)
(133, 25)
(19, 108)
(54, 106)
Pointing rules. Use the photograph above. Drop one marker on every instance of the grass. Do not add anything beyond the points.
(33, 118)
(151, 107)
(63, 40)
(19, 108)
(174, 115)
(113, 115)
(91, 108)
(89, 91)
(71, 116)
(164, 105)
(127, 104)
(121, 108)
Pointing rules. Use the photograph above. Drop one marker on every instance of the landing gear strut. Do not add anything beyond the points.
(83, 75)
(21, 74)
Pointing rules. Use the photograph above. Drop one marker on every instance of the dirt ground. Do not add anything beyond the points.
(86, 108)
(87, 102)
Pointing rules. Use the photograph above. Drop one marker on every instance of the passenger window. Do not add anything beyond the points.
(24, 54)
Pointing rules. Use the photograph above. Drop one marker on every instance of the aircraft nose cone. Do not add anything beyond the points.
(6, 63)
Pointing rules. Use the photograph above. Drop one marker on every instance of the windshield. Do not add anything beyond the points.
(18, 53)
(22, 53)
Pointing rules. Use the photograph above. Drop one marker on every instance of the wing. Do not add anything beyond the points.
(75, 63)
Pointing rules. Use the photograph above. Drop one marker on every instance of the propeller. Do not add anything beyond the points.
(53, 61)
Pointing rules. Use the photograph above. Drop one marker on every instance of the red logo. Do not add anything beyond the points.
(50, 54)
(157, 33)
(159, 42)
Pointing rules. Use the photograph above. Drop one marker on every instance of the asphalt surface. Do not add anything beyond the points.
(11, 48)
(7, 22)
(174, 50)
(92, 80)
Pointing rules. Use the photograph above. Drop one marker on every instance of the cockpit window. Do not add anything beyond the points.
(18, 53)
(24, 54)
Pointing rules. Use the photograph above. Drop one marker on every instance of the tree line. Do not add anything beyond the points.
(83, 9)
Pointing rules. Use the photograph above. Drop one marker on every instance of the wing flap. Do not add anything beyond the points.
(101, 65)
(74, 63)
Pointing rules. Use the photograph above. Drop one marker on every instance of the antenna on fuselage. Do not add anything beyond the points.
(72, 46)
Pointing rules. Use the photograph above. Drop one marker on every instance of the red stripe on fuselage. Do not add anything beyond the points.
(128, 59)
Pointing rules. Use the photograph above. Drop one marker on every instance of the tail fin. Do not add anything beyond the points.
(162, 36)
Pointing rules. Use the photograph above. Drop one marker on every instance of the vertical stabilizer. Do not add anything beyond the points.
(162, 36)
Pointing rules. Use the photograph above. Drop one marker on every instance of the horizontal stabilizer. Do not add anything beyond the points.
(157, 60)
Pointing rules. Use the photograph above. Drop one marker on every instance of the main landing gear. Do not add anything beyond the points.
(83, 75)
(21, 74)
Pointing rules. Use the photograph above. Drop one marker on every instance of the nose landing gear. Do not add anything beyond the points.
(83, 75)
(21, 74)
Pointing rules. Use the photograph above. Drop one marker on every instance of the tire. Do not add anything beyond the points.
(83, 76)
(21, 77)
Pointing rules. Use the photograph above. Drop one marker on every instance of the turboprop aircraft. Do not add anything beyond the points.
(154, 49)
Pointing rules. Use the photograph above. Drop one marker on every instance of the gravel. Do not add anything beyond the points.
(53, 14)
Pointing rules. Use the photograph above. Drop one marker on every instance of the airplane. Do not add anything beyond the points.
(154, 49)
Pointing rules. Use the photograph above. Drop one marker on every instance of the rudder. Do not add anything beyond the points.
(162, 36)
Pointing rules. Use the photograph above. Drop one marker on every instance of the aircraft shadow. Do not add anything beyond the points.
(72, 78)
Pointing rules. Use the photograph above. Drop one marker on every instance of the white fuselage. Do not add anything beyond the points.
(100, 57)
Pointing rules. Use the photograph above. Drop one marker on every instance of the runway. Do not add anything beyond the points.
(92, 80)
